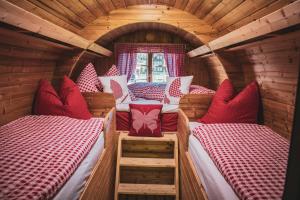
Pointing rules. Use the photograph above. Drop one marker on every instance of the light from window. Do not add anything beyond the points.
(159, 68)
(141, 71)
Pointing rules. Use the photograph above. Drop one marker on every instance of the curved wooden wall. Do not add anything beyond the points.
(274, 63)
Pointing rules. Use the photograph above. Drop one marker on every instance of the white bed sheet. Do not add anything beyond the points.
(74, 186)
(167, 108)
(214, 183)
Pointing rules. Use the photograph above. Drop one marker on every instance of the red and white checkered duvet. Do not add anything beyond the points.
(197, 89)
(252, 158)
(153, 91)
(39, 154)
(156, 91)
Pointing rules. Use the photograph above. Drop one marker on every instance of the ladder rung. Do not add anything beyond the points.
(146, 189)
(147, 162)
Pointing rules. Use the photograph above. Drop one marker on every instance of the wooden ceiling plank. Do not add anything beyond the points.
(60, 11)
(206, 7)
(243, 10)
(78, 8)
(193, 6)
(221, 10)
(181, 4)
(280, 19)
(93, 7)
(16, 16)
(45, 15)
(262, 12)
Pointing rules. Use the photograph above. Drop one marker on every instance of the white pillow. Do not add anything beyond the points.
(176, 88)
(117, 85)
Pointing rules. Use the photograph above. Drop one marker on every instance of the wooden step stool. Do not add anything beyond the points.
(147, 167)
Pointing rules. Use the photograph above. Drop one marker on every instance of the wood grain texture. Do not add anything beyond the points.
(148, 13)
(100, 184)
(24, 60)
(223, 15)
(99, 103)
(195, 105)
(282, 18)
(274, 64)
(190, 185)
(19, 17)
(275, 67)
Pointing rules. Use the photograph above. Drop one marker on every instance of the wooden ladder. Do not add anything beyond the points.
(137, 156)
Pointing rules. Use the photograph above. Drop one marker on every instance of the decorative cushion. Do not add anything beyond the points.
(70, 104)
(88, 80)
(176, 88)
(117, 85)
(145, 120)
(225, 108)
(113, 71)
(74, 104)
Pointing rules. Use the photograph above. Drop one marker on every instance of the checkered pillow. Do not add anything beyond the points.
(88, 80)
(113, 71)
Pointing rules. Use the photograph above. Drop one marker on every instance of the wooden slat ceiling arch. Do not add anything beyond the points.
(218, 16)
(151, 26)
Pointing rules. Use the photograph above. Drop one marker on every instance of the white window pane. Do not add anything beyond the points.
(141, 71)
(159, 68)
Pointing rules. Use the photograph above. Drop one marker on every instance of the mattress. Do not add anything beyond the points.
(167, 108)
(214, 183)
(252, 158)
(75, 185)
(39, 154)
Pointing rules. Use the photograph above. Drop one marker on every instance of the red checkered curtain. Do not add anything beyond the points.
(126, 59)
(126, 56)
(174, 56)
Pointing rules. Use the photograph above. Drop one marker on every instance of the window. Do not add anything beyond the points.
(157, 69)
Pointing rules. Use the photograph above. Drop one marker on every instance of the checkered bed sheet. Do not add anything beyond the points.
(197, 89)
(152, 91)
(40, 153)
(252, 158)
(156, 91)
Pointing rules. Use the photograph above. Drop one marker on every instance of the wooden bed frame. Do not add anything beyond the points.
(100, 184)
(192, 107)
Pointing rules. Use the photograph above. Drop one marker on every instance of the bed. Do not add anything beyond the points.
(57, 157)
(254, 173)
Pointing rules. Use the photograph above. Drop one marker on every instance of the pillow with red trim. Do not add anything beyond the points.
(225, 108)
(145, 120)
(70, 104)
(113, 71)
(176, 87)
(117, 85)
(88, 80)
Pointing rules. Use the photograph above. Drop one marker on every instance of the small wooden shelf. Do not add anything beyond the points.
(147, 167)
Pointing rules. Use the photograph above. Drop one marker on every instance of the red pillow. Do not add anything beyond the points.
(70, 102)
(243, 108)
(74, 104)
(47, 101)
(145, 120)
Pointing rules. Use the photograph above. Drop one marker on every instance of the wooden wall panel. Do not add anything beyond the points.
(199, 70)
(274, 63)
(24, 60)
